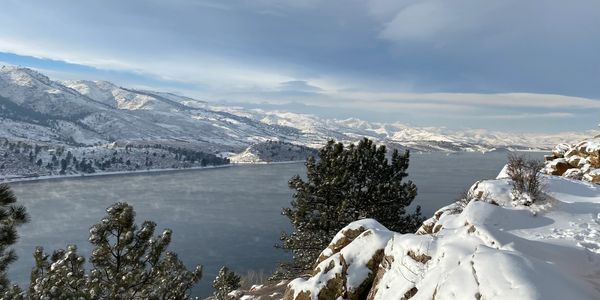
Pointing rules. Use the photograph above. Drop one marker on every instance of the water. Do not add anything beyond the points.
(228, 216)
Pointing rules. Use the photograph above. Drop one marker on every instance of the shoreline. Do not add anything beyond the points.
(166, 170)
(135, 172)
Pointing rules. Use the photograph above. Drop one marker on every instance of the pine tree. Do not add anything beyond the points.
(346, 184)
(11, 216)
(61, 277)
(127, 263)
(225, 283)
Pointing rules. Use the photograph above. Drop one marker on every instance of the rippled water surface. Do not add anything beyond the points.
(227, 216)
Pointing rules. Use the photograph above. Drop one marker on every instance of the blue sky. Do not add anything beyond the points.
(511, 65)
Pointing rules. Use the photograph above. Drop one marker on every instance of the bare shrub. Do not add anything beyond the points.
(462, 200)
(526, 179)
(468, 195)
(253, 278)
(465, 197)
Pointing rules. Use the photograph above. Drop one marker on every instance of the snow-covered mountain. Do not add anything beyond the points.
(314, 130)
(37, 109)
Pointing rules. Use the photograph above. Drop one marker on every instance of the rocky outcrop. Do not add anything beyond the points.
(576, 161)
(347, 267)
(483, 248)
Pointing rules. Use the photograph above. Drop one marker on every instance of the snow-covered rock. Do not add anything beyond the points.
(576, 161)
(347, 270)
(489, 249)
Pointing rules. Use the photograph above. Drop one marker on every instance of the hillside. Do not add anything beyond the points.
(273, 151)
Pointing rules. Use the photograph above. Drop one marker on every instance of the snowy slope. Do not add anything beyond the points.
(486, 251)
(86, 112)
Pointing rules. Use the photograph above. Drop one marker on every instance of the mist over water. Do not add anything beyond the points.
(227, 216)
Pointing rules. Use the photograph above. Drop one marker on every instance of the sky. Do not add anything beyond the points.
(512, 65)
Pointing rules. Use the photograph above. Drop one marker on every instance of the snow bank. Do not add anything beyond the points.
(490, 249)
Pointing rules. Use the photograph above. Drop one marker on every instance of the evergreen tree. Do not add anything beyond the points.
(225, 282)
(61, 277)
(346, 184)
(127, 263)
(69, 156)
(63, 166)
(11, 216)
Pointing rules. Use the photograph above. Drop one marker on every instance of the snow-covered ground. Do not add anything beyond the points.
(550, 250)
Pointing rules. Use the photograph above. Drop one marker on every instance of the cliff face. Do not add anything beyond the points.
(491, 248)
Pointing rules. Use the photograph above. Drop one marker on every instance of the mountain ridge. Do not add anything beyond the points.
(86, 113)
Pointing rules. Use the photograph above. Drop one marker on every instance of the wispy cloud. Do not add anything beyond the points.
(478, 99)
(552, 115)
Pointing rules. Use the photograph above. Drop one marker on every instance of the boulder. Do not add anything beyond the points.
(593, 175)
(347, 272)
(558, 166)
(571, 152)
(574, 160)
(582, 147)
(430, 225)
(583, 162)
(586, 168)
(560, 150)
(573, 174)
(594, 160)
(347, 235)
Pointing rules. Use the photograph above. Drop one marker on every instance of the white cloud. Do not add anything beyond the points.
(218, 72)
(480, 100)
(436, 19)
(551, 115)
